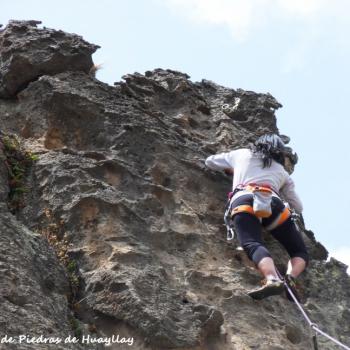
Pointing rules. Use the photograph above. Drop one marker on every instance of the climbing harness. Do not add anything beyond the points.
(313, 325)
(262, 197)
(286, 213)
(262, 202)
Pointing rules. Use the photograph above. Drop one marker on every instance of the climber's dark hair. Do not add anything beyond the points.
(269, 147)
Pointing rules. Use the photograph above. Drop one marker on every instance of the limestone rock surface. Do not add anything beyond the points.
(28, 52)
(121, 171)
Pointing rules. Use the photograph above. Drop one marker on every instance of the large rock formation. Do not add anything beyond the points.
(28, 52)
(120, 194)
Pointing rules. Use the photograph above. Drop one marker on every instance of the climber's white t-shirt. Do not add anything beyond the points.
(248, 168)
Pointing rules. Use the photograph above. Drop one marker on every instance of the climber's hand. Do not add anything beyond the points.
(228, 171)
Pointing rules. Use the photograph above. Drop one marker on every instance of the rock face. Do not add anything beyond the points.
(28, 52)
(121, 171)
(34, 286)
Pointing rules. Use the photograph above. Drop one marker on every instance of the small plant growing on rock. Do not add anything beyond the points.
(53, 231)
(18, 162)
(76, 327)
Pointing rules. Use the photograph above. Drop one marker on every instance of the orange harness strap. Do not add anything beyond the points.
(249, 209)
(242, 208)
(283, 217)
(253, 188)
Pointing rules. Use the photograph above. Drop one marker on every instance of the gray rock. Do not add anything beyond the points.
(4, 183)
(33, 288)
(122, 169)
(28, 52)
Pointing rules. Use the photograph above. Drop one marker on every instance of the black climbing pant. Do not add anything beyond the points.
(249, 232)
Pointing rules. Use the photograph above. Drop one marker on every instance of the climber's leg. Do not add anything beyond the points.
(267, 267)
(248, 229)
(296, 266)
(291, 239)
(249, 233)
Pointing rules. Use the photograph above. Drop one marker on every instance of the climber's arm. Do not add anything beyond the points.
(219, 161)
(288, 192)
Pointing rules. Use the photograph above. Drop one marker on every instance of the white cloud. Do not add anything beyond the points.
(305, 8)
(309, 23)
(342, 254)
(243, 16)
(236, 15)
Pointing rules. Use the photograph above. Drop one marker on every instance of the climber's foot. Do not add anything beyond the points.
(292, 284)
(271, 287)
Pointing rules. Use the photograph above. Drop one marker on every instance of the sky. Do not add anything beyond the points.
(297, 50)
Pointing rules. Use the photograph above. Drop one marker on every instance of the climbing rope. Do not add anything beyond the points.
(295, 216)
(307, 318)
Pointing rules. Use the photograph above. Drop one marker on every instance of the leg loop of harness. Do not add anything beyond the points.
(246, 208)
(242, 208)
(283, 217)
(230, 212)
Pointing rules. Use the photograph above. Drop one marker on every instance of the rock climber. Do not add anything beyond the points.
(259, 182)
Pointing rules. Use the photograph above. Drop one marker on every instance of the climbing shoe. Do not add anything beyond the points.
(271, 287)
(292, 284)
